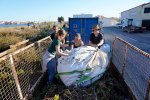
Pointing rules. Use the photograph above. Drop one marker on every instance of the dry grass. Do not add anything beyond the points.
(23, 32)
(6, 41)
(106, 88)
(12, 35)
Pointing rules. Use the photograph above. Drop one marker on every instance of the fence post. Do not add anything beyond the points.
(40, 50)
(148, 91)
(113, 48)
(15, 77)
(39, 46)
(124, 61)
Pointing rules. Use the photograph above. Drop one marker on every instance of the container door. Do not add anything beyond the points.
(82, 26)
(75, 26)
(89, 23)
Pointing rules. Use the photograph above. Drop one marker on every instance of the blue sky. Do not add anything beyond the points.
(49, 10)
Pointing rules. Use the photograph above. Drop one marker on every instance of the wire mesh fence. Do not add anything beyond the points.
(118, 55)
(20, 70)
(134, 66)
(8, 89)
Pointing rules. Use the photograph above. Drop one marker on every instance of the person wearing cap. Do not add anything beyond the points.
(49, 61)
(96, 37)
(77, 42)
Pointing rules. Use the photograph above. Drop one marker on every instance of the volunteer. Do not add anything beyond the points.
(96, 37)
(49, 61)
(77, 42)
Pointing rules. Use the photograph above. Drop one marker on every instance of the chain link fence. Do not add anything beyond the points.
(134, 66)
(21, 70)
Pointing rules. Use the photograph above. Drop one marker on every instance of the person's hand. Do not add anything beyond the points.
(66, 45)
(70, 43)
(99, 46)
(66, 54)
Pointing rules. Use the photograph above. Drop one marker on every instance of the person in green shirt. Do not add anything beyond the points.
(49, 61)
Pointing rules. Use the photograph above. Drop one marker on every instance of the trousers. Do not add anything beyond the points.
(51, 66)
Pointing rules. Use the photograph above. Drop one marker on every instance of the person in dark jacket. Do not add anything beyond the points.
(96, 37)
(54, 32)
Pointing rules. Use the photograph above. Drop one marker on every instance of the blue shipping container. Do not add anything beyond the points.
(82, 26)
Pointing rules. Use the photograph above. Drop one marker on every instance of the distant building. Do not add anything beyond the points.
(83, 16)
(140, 13)
(1, 22)
(106, 22)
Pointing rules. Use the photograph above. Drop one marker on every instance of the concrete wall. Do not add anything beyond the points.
(136, 13)
(145, 16)
(107, 22)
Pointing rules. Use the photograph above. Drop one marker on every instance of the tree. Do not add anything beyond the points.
(115, 18)
(61, 19)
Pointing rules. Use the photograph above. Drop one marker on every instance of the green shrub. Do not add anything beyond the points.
(6, 41)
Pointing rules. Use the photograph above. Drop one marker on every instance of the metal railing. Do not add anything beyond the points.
(134, 66)
(21, 70)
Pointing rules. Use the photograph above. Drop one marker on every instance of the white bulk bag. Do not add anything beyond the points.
(83, 66)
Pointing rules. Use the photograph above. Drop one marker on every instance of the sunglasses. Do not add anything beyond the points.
(96, 29)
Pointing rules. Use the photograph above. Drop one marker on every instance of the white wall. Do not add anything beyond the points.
(136, 13)
(145, 16)
(107, 22)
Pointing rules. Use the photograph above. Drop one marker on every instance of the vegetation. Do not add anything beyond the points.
(27, 65)
(115, 18)
(61, 19)
(106, 88)
(12, 35)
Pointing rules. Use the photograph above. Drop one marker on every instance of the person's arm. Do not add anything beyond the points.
(93, 45)
(101, 42)
(72, 44)
(82, 43)
(58, 52)
(64, 45)
(90, 41)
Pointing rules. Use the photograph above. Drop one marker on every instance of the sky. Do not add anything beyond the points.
(50, 10)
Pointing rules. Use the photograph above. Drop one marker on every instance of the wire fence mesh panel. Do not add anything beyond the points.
(137, 72)
(43, 45)
(20, 71)
(136, 67)
(8, 88)
(27, 65)
(118, 54)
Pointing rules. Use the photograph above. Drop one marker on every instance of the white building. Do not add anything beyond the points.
(106, 22)
(140, 13)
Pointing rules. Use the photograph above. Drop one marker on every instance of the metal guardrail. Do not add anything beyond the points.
(134, 66)
(21, 70)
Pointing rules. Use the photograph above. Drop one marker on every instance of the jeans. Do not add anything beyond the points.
(51, 66)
